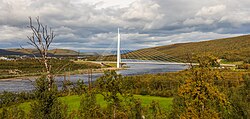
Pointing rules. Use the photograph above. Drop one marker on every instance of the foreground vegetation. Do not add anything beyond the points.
(213, 93)
(203, 91)
(237, 96)
(105, 100)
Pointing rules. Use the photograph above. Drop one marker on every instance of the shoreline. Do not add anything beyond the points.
(84, 71)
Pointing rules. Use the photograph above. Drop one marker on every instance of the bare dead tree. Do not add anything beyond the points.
(41, 38)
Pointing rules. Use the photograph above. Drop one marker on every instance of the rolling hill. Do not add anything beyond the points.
(53, 52)
(231, 49)
(4, 52)
(63, 52)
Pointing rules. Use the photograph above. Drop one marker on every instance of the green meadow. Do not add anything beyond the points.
(73, 102)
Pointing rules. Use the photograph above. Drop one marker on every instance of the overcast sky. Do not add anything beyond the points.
(88, 25)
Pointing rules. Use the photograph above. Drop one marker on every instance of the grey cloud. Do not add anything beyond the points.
(143, 23)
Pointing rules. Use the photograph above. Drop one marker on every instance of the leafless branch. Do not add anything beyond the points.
(41, 40)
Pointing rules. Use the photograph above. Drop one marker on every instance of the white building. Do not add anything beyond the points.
(3, 58)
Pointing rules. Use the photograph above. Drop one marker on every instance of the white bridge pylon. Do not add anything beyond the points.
(118, 49)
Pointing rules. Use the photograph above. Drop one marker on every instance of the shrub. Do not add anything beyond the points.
(89, 107)
(47, 105)
(12, 113)
(240, 98)
(198, 97)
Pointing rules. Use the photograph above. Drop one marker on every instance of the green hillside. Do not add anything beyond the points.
(63, 52)
(231, 49)
(53, 52)
(22, 51)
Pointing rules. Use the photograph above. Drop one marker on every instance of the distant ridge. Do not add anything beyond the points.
(7, 52)
(53, 52)
(63, 52)
(231, 49)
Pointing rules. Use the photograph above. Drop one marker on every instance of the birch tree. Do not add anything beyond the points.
(41, 39)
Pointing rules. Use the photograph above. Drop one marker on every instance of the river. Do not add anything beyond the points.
(19, 85)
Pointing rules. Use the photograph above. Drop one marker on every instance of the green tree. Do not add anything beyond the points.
(111, 87)
(121, 103)
(198, 97)
(47, 104)
(80, 88)
(12, 113)
(7, 98)
(89, 109)
(240, 98)
(155, 111)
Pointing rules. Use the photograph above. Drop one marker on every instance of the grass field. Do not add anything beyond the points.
(73, 102)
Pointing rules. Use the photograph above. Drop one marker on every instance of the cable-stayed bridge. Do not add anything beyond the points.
(120, 56)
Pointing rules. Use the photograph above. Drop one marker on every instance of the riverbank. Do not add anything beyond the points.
(76, 72)
(32, 67)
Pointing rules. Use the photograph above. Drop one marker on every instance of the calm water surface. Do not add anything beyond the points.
(18, 85)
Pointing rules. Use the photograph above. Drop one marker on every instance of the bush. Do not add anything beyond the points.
(47, 105)
(198, 97)
(240, 98)
(7, 98)
(11, 98)
(80, 88)
(12, 113)
(89, 107)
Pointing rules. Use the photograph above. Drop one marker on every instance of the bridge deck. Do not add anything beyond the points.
(167, 63)
(143, 62)
(156, 63)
